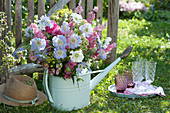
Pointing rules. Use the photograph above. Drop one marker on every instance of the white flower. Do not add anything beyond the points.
(106, 42)
(65, 27)
(77, 56)
(88, 63)
(76, 18)
(42, 26)
(86, 29)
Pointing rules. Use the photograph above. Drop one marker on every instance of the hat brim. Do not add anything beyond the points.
(42, 97)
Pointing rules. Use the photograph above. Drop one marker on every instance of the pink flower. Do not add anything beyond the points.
(89, 20)
(38, 61)
(55, 30)
(71, 25)
(92, 15)
(67, 76)
(79, 9)
(114, 44)
(110, 47)
(57, 71)
(100, 27)
(95, 9)
(95, 55)
(32, 58)
(39, 34)
(34, 27)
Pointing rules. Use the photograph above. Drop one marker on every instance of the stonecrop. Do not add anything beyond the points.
(65, 43)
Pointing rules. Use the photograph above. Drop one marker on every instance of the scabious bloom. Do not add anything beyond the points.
(80, 67)
(43, 22)
(86, 29)
(65, 27)
(76, 18)
(77, 56)
(59, 41)
(60, 53)
(28, 32)
(74, 41)
(102, 53)
(37, 44)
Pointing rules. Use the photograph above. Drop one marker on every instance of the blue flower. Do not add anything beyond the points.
(74, 41)
(15, 52)
(59, 41)
(60, 53)
(44, 21)
(37, 44)
(65, 27)
(86, 29)
(40, 57)
(28, 32)
(80, 67)
(102, 53)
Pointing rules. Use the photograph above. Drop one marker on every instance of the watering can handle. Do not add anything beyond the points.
(45, 84)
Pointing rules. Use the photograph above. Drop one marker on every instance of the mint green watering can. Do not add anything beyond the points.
(66, 95)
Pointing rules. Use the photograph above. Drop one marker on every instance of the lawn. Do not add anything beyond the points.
(150, 41)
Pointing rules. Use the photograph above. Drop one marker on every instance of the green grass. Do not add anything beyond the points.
(150, 41)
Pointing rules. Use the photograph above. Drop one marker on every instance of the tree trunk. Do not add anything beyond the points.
(112, 28)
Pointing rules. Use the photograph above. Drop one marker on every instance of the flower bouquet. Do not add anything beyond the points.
(65, 43)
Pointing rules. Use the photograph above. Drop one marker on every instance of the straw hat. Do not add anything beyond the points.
(21, 90)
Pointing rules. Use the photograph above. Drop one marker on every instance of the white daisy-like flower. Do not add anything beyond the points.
(77, 56)
(42, 26)
(65, 27)
(86, 29)
(76, 18)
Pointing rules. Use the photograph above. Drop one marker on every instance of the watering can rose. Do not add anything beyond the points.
(66, 43)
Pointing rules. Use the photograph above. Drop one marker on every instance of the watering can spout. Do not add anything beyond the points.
(102, 74)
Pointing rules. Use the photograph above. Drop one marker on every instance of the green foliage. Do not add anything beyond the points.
(161, 4)
(153, 15)
(6, 58)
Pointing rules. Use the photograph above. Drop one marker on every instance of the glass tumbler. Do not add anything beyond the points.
(150, 68)
(137, 71)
